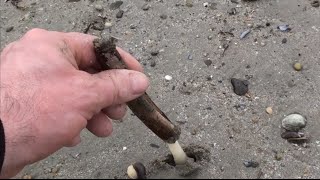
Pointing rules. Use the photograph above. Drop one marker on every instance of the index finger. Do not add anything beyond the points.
(81, 45)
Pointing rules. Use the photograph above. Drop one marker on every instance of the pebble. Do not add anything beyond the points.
(189, 3)
(284, 40)
(262, 43)
(269, 110)
(208, 62)
(251, 163)
(190, 57)
(232, 11)
(153, 63)
(278, 156)
(315, 3)
(163, 16)
(245, 33)
(168, 77)
(55, 170)
(116, 5)
(154, 145)
(145, 7)
(294, 122)
(132, 26)
(205, 4)
(119, 14)
(108, 25)
(284, 28)
(297, 66)
(10, 28)
(240, 87)
(154, 52)
(124, 148)
(98, 7)
(210, 37)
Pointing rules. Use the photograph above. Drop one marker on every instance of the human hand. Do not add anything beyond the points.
(48, 95)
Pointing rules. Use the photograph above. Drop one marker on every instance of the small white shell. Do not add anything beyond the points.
(168, 78)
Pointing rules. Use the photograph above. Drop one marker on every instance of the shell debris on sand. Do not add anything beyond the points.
(168, 77)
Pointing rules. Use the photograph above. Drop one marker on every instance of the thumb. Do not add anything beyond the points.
(119, 86)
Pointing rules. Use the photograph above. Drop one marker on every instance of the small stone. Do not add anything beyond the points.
(124, 148)
(206, 4)
(232, 11)
(250, 25)
(119, 14)
(251, 163)
(55, 170)
(163, 16)
(297, 66)
(190, 57)
(294, 122)
(152, 63)
(154, 145)
(27, 176)
(278, 156)
(315, 3)
(269, 110)
(98, 7)
(154, 52)
(262, 43)
(115, 5)
(240, 87)
(132, 26)
(189, 3)
(210, 37)
(145, 7)
(208, 62)
(10, 28)
(235, 1)
(168, 77)
(108, 25)
(284, 40)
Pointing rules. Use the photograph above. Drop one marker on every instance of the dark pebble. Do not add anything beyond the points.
(208, 62)
(315, 3)
(115, 5)
(284, 40)
(209, 78)
(252, 164)
(240, 87)
(163, 16)
(73, 0)
(145, 7)
(120, 14)
(232, 11)
(154, 145)
(154, 52)
(8, 29)
(153, 63)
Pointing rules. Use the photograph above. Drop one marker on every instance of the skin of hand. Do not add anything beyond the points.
(50, 91)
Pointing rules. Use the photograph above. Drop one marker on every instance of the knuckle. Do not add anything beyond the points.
(34, 33)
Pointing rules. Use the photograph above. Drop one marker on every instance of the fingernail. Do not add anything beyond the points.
(139, 82)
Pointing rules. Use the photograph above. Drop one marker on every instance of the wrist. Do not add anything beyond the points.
(13, 160)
